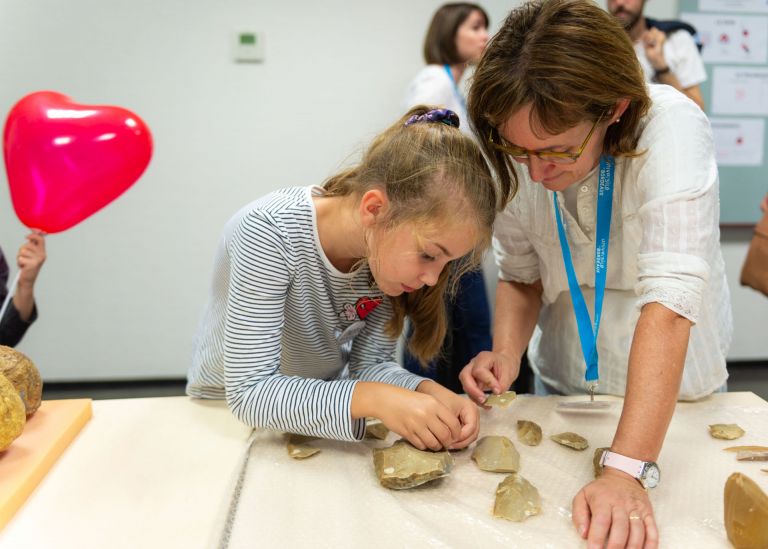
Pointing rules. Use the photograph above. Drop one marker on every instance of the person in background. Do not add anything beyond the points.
(312, 285)
(614, 230)
(456, 38)
(21, 311)
(670, 57)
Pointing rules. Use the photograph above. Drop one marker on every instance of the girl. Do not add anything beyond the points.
(456, 38)
(312, 285)
(607, 169)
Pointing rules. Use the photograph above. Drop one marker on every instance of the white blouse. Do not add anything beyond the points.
(664, 247)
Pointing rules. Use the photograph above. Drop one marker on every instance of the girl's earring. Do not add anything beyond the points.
(617, 121)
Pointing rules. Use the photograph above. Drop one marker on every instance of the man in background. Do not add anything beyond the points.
(670, 57)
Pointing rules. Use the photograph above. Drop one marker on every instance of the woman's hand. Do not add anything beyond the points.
(462, 408)
(488, 371)
(419, 418)
(614, 511)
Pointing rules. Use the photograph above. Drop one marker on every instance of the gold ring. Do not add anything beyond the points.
(634, 516)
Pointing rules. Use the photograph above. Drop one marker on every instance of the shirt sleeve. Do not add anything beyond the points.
(515, 256)
(12, 326)
(688, 64)
(680, 209)
(257, 393)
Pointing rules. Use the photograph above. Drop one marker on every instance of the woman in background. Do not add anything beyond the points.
(456, 38)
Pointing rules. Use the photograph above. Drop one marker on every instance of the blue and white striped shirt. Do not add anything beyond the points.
(285, 335)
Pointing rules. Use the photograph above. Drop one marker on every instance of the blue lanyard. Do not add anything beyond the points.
(456, 91)
(587, 335)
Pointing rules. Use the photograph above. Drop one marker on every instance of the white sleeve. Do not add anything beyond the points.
(685, 61)
(515, 255)
(680, 209)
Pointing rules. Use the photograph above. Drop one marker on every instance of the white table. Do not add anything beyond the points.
(160, 472)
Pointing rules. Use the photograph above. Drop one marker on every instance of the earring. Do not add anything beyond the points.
(617, 121)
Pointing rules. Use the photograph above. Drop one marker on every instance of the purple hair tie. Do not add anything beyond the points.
(446, 116)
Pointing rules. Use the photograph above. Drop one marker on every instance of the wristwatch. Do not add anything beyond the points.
(646, 472)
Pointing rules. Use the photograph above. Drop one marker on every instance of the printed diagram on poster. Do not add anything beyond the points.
(731, 38)
(738, 141)
(740, 90)
(756, 6)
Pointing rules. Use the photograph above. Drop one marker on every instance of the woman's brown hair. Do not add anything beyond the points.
(432, 174)
(572, 61)
(440, 42)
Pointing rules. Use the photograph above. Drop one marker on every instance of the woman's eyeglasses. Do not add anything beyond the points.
(520, 154)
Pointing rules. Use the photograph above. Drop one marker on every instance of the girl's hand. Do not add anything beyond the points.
(419, 418)
(614, 510)
(488, 371)
(462, 408)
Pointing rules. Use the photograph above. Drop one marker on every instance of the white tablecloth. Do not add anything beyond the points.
(160, 473)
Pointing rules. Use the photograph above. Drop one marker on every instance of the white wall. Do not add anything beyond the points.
(121, 293)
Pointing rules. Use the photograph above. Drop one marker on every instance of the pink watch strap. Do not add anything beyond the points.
(633, 467)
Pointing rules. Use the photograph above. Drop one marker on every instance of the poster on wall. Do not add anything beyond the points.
(731, 38)
(738, 141)
(740, 90)
(755, 6)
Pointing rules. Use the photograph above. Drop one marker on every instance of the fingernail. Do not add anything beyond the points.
(582, 530)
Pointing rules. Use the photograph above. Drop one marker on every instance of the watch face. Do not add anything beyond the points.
(651, 475)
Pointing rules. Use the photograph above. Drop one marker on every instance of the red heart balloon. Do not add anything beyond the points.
(66, 161)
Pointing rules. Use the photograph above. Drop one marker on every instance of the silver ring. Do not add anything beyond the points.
(634, 516)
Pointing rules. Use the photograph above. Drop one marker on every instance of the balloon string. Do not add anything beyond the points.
(11, 291)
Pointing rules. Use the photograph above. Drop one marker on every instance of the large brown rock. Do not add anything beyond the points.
(24, 375)
(12, 416)
(746, 513)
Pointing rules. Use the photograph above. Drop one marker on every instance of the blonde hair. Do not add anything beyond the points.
(572, 61)
(432, 173)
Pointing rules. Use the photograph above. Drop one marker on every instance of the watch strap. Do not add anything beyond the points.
(633, 467)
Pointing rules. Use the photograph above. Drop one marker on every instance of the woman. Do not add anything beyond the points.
(604, 166)
(455, 39)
